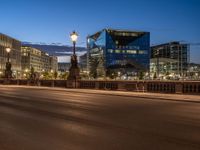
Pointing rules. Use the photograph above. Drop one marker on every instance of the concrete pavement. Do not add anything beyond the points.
(34, 118)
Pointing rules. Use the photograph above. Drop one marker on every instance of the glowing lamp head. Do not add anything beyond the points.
(8, 50)
(74, 36)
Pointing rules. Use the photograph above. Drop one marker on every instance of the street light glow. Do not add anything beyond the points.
(74, 36)
(8, 50)
(26, 70)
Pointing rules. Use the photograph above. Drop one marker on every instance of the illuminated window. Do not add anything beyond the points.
(131, 51)
(110, 50)
(142, 52)
(117, 51)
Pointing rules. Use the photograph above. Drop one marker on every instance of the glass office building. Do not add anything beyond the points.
(118, 52)
(170, 59)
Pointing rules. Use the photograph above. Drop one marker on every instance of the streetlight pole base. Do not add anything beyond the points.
(74, 73)
(8, 71)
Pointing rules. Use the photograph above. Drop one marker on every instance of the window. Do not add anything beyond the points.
(117, 51)
(131, 51)
(142, 52)
(110, 50)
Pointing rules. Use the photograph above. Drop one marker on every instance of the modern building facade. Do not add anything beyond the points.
(193, 71)
(83, 62)
(170, 59)
(54, 63)
(15, 55)
(37, 59)
(118, 52)
(45, 62)
(31, 57)
(63, 67)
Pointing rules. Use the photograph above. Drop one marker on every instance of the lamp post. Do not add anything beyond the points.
(8, 52)
(74, 37)
(8, 72)
(74, 71)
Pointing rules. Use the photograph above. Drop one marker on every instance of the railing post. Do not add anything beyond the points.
(52, 83)
(96, 85)
(178, 87)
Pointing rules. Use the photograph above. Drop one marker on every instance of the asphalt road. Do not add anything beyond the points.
(39, 119)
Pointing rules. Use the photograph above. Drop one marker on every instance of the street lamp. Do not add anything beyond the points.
(74, 71)
(74, 37)
(0, 74)
(8, 52)
(8, 72)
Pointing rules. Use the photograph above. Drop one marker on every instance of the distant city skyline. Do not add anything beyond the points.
(52, 21)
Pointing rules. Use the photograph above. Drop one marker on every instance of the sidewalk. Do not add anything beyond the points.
(160, 96)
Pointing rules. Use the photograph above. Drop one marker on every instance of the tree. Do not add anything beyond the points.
(111, 74)
(93, 69)
(55, 75)
(32, 73)
(141, 75)
(167, 74)
(46, 75)
(154, 76)
(64, 75)
(84, 75)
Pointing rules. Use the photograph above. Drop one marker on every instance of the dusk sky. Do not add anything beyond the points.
(51, 21)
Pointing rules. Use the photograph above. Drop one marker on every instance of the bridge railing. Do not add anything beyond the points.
(179, 87)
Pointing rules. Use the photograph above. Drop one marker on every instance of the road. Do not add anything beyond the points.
(42, 119)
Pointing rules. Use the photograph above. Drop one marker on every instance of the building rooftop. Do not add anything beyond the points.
(169, 43)
(9, 37)
(125, 30)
